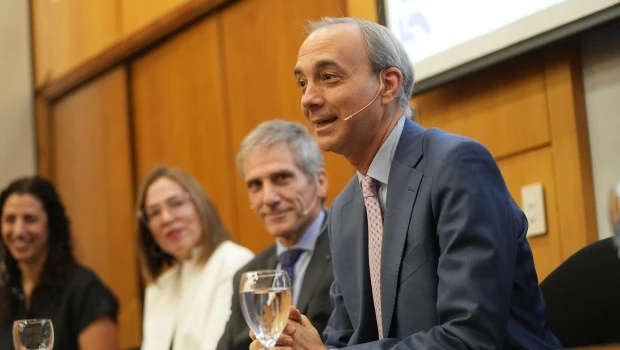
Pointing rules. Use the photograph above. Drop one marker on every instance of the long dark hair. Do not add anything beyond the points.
(60, 260)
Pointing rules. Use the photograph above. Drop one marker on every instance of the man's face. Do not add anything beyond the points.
(280, 193)
(334, 74)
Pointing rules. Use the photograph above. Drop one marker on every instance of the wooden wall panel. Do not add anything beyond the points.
(364, 9)
(136, 14)
(527, 168)
(91, 167)
(261, 40)
(504, 107)
(571, 147)
(180, 117)
(44, 134)
(67, 32)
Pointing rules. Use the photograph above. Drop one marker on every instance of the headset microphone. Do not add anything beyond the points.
(307, 211)
(366, 106)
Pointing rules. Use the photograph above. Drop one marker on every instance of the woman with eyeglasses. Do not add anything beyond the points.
(39, 276)
(188, 261)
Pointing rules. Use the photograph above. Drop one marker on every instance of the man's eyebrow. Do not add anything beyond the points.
(251, 181)
(281, 173)
(318, 65)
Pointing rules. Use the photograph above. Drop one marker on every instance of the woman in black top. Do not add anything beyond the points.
(39, 277)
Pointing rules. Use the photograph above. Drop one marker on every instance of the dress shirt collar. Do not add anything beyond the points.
(382, 162)
(308, 239)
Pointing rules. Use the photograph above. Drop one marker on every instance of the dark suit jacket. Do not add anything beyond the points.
(456, 269)
(313, 296)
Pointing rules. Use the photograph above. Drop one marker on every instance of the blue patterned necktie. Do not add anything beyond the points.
(287, 262)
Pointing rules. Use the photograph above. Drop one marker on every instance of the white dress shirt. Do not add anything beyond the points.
(305, 243)
(382, 162)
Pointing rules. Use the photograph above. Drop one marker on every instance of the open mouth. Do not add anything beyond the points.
(324, 122)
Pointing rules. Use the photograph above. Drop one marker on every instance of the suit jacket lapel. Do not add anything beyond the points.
(315, 272)
(403, 185)
(352, 252)
(272, 257)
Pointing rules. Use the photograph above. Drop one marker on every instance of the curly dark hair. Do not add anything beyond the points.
(60, 260)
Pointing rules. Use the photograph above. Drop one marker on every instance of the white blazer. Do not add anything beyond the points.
(190, 304)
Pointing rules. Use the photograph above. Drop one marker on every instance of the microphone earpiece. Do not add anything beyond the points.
(311, 206)
(307, 211)
(369, 103)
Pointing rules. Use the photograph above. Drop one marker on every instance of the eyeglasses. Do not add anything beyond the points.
(177, 206)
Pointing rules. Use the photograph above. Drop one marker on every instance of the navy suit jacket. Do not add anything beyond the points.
(456, 269)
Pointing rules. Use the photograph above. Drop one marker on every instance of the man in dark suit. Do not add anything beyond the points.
(429, 249)
(283, 169)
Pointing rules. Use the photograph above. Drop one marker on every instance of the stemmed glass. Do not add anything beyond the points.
(34, 334)
(265, 298)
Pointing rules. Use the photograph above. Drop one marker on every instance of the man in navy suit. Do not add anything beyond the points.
(428, 247)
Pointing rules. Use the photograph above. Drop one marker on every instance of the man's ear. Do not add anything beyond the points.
(392, 80)
(320, 180)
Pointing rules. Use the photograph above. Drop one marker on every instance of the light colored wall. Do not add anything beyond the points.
(601, 71)
(17, 133)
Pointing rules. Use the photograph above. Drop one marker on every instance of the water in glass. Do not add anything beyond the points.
(34, 334)
(266, 300)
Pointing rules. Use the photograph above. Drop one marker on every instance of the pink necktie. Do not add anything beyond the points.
(375, 236)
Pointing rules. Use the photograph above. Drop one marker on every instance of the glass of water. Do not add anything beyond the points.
(266, 302)
(34, 334)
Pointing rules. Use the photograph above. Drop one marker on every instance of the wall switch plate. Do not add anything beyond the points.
(533, 203)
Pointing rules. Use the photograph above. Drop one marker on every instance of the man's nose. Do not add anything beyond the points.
(270, 194)
(312, 97)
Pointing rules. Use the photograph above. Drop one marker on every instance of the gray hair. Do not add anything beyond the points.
(306, 152)
(384, 51)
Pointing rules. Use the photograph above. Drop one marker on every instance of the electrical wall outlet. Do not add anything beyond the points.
(533, 205)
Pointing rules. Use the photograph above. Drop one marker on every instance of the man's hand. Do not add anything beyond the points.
(304, 335)
(298, 334)
(285, 341)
